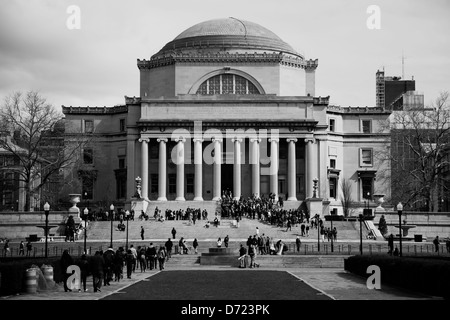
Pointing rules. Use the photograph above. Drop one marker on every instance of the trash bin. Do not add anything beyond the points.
(30, 281)
(417, 238)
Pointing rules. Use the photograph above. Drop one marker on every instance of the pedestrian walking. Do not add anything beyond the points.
(21, 249)
(151, 253)
(391, 244)
(84, 269)
(242, 257)
(298, 242)
(169, 245)
(29, 248)
(6, 249)
(436, 244)
(174, 232)
(195, 245)
(65, 261)
(142, 233)
(226, 240)
(161, 257)
(131, 262)
(97, 267)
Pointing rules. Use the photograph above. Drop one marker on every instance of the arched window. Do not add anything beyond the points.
(227, 84)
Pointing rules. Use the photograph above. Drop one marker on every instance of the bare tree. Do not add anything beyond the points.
(35, 138)
(346, 197)
(419, 154)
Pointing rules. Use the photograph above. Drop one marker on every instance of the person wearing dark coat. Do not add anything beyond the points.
(65, 262)
(108, 256)
(130, 261)
(119, 259)
(151, 253)
(169, 245)
(391, 244)
(97, 267)
(84, 268)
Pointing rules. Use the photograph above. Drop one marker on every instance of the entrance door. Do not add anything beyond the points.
(227, 177)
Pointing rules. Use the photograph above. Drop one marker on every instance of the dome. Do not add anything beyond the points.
(228, 34)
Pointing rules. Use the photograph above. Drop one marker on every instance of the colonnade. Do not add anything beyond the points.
(272, 170)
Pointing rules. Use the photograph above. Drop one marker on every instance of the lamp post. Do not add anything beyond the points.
(399, 211)
(127, 215)
(85, 218)
(111, 209)
(360, 234)
(46, 211)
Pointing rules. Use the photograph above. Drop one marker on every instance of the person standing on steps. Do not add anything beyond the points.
(174, 232)
(142, 233)
(298, 243)
(195, 245)
(226, 240)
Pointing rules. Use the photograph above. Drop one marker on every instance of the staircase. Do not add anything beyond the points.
(210, 206)
(161, 231)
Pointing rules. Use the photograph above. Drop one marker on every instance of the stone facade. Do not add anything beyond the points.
(246, 93)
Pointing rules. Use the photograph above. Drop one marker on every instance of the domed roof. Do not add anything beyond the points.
(228, 33)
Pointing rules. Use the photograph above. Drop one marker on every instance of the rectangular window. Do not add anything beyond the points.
(365, 158)
(122, 125)
(333, 163)
(366, 188)
(190, 183)
(366, 126)
(121, 188)
(172, 183)
(332, 125)
(333, 189)
(88, 156)
(88, 126)
(122, 163)
(87, 188)
(154, 183)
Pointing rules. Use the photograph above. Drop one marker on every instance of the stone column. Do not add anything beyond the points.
(144, 159)
(311, 160)
(217, 172)
(255, 167)
(237, 168)
(292, 177)
(162, 170)
(180, 169)
(274, 167)
(198, 162)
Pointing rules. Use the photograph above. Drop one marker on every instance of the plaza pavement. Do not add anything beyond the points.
(335, 283)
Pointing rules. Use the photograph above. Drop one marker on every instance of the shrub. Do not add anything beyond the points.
(427, 276)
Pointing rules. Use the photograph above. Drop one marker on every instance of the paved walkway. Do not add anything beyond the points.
(335, 283)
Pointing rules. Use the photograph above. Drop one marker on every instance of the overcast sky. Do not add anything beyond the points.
(96, 64)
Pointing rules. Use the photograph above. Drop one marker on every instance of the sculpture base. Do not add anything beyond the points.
(139, 206)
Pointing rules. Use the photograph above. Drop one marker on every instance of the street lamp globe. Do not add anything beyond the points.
(46, 207)
(111, 207)
(85, 211)
(399, 207)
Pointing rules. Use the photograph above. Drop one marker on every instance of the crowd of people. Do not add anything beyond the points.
(265, 208)
(114, 265)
